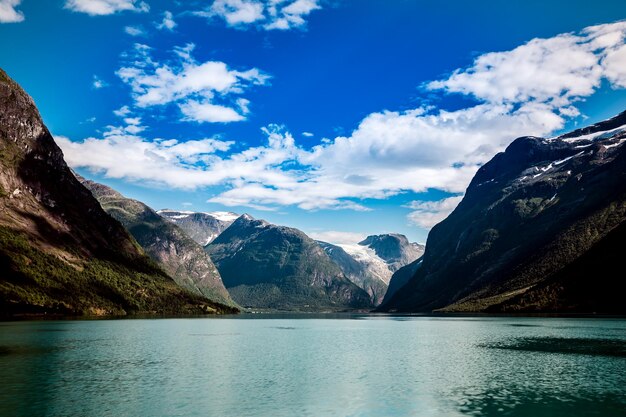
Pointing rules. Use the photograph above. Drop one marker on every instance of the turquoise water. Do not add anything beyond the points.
(312, 366)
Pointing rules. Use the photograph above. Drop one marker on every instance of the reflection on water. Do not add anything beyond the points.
(581, 346)
(314, 366)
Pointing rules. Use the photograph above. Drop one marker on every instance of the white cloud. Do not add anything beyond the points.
(615, 66)
(106, 7)
(236, 12)
(98, 83)
(207, 112)
(8, 14)
(134, 31)
(390, 152)
(122, 111)
(167, 22)
(426, 214)
(554, 70)
(263, 14)
(337, 237)
(204, 92)
(121, 154)
(307, 134)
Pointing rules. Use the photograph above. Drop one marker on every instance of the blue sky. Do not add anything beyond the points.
(342, 118)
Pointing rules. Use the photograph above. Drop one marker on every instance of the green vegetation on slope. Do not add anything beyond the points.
(35, 282)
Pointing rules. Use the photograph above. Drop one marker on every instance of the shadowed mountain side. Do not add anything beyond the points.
(60, 253)
(182, 258)
(527, 234)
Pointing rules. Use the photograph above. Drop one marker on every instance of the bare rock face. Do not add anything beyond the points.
(541, 229)
(169, 246)
(269, 266)
(60, 252)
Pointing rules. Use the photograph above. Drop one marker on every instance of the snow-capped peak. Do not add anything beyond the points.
(225, 216)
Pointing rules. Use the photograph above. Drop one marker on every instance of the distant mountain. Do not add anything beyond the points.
(182, 258)
(371, 263)
(201, 227)
(60, 252)
(276, 267)
(394, 249)
(541, 228)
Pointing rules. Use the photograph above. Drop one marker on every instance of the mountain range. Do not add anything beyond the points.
(540, 229)
(371, 262)
(60, 252)
(201, 227)
(276, 267)
(169, 246)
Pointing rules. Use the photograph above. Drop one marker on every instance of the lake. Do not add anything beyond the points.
(257, 365)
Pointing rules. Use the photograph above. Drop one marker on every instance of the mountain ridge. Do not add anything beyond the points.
(528, 213)
(181, 257)
(278, 267)
(60, 253)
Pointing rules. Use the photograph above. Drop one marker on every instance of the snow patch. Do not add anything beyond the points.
(555, 163)
(605, 134)
(367, 256)
(209, 239)
(615, 144)
(225, 216)
(179, 216)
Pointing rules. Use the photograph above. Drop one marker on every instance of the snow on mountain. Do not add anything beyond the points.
(373, 263)
(203, 227)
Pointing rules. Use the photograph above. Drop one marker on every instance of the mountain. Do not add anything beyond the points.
(400, 278)
(276, 267)
(371, 263)
(60, 252)
(182, 258)
(394, 249)
(201, 227)
(540, 229)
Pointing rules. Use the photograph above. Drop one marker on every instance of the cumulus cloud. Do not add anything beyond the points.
(426, 214)
(554, 70)
(134, 31)
(167, 22)
(122, 111)
(106, 7)
(204, 92)
(262, 14)
(8, 13)
(120, 153)
(389, 152)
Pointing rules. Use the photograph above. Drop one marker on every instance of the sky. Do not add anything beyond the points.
(342, 118)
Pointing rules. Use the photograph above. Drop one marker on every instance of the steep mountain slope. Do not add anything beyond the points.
(538, 230)
(394, 249)
(269, 266)
(182, 258)
(371, 263)
(358, 272)
(59, 251)
(201, 227)
(400, 278)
